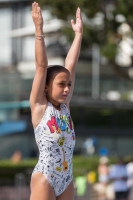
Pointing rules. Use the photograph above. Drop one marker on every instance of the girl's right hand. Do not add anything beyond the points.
(78, 25)
(37, 15)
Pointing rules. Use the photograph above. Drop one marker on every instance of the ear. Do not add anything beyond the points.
(46, 88)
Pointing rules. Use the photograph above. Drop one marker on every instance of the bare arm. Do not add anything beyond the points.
(37, 96)
(73, 54)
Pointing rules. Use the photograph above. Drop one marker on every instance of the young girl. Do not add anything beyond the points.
(51, 93)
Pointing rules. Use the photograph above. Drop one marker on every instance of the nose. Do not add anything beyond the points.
(67, 89)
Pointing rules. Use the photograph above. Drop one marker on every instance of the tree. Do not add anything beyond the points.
(102, 20)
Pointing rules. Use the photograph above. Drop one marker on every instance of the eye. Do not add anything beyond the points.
(69, 84)
(61, 84)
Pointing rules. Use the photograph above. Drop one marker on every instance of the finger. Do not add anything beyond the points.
(33, 7)
(78, 13)
(39, 10)
(72, 22)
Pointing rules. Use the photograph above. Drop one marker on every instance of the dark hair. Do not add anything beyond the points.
(52, 70)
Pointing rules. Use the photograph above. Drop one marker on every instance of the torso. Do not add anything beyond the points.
(55, 138)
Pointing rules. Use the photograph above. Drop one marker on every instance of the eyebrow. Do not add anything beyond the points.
(64, 81)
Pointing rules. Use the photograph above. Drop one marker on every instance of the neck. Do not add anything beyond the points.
(56, 106)
(54, 103)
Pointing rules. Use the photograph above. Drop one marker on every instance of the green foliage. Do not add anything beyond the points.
(125, 8)
(23, 163)
(81, 166)
(109, 51)
(65, 9)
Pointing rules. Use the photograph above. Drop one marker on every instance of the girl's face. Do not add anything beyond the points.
(59, 88)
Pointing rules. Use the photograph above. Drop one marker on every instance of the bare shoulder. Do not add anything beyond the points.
(37, 113)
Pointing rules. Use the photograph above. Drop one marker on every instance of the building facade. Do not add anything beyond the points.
(101, 106)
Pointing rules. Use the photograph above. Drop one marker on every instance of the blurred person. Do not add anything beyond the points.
(80, 183)
(118, 175)
(103, 172)
(129, 167)
(16, 157)
(52, 90)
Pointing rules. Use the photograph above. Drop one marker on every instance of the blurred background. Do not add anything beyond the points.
(102, 103)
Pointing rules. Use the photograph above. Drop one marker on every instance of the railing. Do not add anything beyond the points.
(18, 189)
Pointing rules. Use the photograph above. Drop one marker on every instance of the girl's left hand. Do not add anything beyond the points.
(37, 15)
(77, 27)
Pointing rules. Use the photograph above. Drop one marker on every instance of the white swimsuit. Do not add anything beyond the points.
(55, 138)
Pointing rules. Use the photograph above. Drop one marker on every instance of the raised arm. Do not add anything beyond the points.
(37, 97)
(73, 54)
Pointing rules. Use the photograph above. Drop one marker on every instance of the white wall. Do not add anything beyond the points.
(5, 43)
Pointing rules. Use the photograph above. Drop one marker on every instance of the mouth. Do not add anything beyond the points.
(64, 96)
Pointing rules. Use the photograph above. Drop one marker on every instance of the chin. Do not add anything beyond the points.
(62, 101)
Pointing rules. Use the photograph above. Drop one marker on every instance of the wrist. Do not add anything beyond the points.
(78, 34)
(38, 30)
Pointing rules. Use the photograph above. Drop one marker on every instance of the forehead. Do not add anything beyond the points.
(62, 76)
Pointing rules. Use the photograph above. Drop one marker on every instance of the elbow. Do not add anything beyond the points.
(42, 63)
